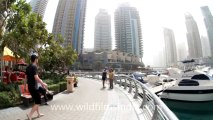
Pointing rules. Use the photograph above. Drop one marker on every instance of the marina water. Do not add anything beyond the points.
(190, 110)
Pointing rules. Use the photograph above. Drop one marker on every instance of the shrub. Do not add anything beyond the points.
(3, 87)
(63, 86)
(63, 78)
(55, 77)
(9, 95)
(8, 87)
(49, 82)
(56, 81)
(5, 100)
(15, 96)
(45, 75)
(20, 82)
(9, 98)
(49, 75)
(54, 87)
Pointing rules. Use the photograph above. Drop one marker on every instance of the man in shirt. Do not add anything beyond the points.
(32, 81)
(104, 76)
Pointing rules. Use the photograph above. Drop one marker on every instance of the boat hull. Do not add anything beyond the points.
(188, 95)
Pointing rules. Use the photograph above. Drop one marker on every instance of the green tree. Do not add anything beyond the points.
(55, 58)
(5, 13)
(69, 57)
(25, 31)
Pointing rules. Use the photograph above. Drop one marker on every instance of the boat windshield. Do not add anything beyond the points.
(138, 76)
(202, 77)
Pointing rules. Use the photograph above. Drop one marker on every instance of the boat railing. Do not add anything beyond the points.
(148, 101)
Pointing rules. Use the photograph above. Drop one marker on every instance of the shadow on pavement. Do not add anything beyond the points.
(66, 92)
(103, 89)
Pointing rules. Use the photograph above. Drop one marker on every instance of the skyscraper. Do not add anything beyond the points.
(170, 47)
(208, 19)
(39, 6)
(206, 46)
(193, 37)
(128, 35)
(182, 51)
(69, 22)
(103, 40)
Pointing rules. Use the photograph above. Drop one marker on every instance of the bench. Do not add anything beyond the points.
(27, 98)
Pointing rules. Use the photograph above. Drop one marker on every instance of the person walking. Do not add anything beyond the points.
(104, 76)
(32, 81)
(111, 78)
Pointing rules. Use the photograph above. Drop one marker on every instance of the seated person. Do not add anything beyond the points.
(75, 80)
(21, 75)
(6, 76)
(6, 79)
(13, 77)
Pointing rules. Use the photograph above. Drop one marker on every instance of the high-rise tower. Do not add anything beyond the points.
(170, 47)
(103, 39)
(128, 35)
(39, 6)
(208, 19)
(69, 22)
(193, 37)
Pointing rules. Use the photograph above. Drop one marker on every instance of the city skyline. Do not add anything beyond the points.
(164, 13)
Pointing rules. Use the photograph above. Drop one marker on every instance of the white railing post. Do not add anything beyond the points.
(155, 114)
(130, 86)
(115, 80)
(125, 85)
(120, 81)
(144, 98)
(136, 91)
(158, 103)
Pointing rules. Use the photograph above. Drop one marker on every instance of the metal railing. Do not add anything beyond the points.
(150, 102)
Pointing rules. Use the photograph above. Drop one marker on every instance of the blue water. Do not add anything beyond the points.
(191, 111)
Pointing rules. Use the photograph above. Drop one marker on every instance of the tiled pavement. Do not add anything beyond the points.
(88, 102)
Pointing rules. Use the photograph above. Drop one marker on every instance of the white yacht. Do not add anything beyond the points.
(194, 85)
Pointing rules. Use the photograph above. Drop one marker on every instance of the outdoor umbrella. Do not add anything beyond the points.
(7, 56)
(21, 65)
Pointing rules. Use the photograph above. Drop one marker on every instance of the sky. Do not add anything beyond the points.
(154, 14)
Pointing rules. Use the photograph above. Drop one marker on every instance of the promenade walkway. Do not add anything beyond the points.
(88, 102)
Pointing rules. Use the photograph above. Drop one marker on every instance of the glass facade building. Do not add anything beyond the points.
(69, 22)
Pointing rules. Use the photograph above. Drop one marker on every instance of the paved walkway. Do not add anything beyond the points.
(88, 102)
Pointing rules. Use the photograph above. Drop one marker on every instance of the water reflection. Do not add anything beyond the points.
(191, 111)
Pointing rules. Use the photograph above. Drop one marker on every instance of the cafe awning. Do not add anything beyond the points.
(8, 55)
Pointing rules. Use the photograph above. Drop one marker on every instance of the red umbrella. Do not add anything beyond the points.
(22, 62)
(21, 65)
